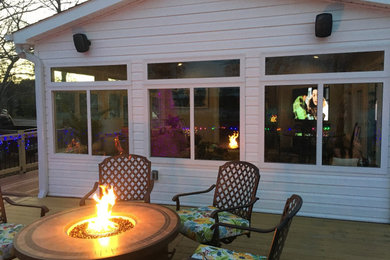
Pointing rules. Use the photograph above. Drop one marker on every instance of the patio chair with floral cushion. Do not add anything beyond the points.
(292, 206)
(129, 175)
(234, 197)
(9, 230)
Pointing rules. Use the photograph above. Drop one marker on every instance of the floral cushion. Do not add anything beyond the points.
(216, 253)
(196, 224)
(7, 233)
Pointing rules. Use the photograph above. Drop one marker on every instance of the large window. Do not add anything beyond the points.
(201, 123)
(109, 122)
(71, 122)
(352, 130)
(109, 129)
(337, 124)
(290, 124)
(170, 123)
(216, 123)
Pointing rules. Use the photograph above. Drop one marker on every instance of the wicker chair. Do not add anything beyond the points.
(130, 175)
(292, 206)
(9, 230)
(234, 197)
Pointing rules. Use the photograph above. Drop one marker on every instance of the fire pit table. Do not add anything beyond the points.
(48, 238)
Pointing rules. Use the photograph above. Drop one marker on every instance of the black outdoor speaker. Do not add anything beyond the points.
(324, 25)
(81, 42)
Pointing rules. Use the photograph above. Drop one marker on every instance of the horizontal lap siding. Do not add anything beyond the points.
(205, 29)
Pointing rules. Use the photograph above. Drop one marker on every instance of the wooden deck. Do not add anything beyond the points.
(309, 238)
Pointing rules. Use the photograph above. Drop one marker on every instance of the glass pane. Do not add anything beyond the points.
(290, 124)
(217, 121)
(89, 73)
(170, 123)
(71, 122)
(325, 63)
(109, 122)
(194, 69)
(352, 133)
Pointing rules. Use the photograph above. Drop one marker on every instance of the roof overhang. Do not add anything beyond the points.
(28, 35)
(66, 19)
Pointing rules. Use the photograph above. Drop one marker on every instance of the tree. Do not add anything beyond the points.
(59, 5)
(14, 15)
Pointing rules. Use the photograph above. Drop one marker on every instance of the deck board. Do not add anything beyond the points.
(309, 238)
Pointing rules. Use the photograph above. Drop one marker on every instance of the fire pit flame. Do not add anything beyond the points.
(102, 223)
(233, 140)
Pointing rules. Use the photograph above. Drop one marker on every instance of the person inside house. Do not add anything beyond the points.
(300, 108)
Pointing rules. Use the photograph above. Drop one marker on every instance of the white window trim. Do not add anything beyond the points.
(328, 78)
(51, 87)
(51, 84)
(192, 83)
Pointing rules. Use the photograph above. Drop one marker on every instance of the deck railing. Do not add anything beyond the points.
(18, 151)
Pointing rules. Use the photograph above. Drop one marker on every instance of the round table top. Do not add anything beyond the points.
(46, 238)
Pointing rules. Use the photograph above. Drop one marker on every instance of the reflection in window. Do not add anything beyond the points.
(89, 73)
(351, 136)
(325, 63)
(71, 122)
(290, 124)
(170, 123)
(194, 69)
(217, 120)
(109, 122)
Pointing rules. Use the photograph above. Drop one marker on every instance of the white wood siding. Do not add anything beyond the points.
(176, 29)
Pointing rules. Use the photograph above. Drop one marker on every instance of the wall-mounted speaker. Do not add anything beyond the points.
(81, 42)
(324, 23)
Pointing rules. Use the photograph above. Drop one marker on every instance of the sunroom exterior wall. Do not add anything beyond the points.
(199, 29)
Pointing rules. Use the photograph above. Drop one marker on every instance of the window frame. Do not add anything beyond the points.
(192, 83)
(52, 87)
(321, 79)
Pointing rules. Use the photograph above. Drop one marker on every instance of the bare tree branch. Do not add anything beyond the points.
(14, 16)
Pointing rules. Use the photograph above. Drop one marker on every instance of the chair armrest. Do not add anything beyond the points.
(176, 197)
(15, 194)
(214, 214)
(149, 191)
(43, 208)
(258, 230)
(94, 189)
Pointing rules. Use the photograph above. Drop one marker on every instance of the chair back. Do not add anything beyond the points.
(236, 185)
(130, 175)
(291, 208)
(3, 216)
